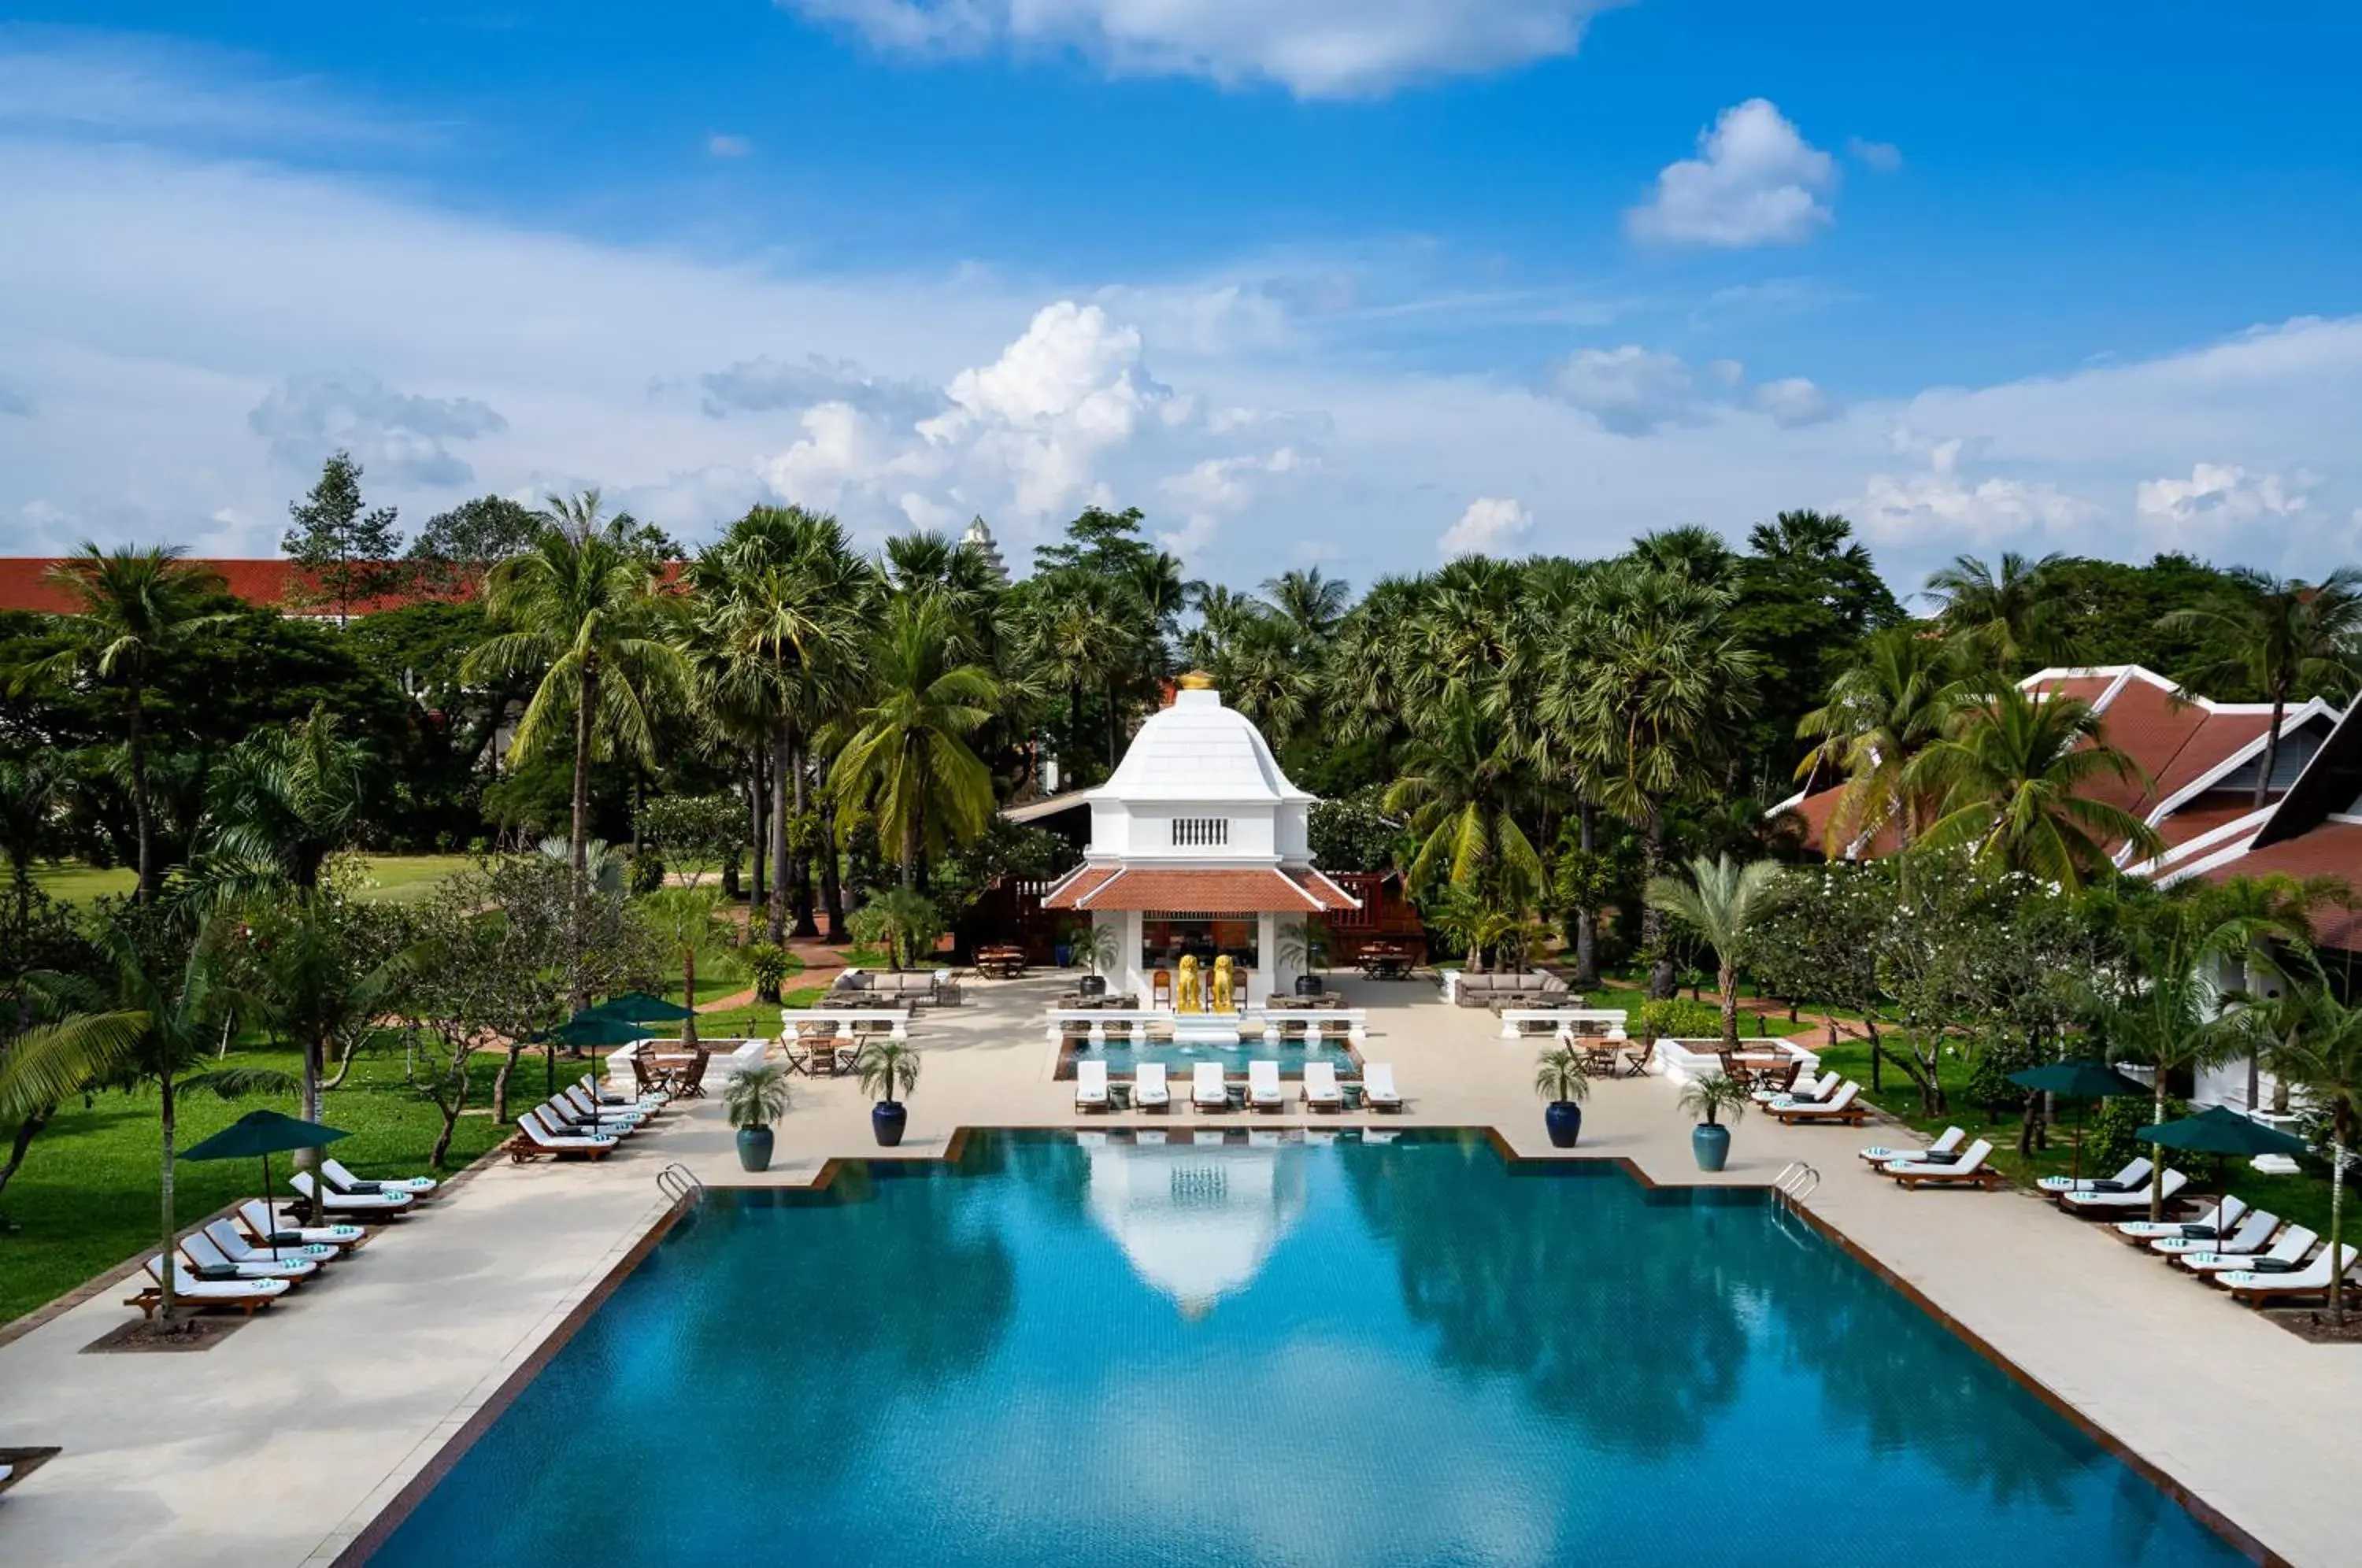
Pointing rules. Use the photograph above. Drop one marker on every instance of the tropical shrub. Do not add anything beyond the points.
(1678, 1018)
(2108, 1141)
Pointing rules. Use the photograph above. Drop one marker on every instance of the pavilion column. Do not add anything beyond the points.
(1266, 958)
(1135, 979)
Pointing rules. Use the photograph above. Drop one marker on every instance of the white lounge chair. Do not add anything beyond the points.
(1378, 1091)
(1969, 1170)
(249, 1294)
(2281, 1257)
(1839, 1106)
(1091, 1085)
(1150, 1088)
(591, 1108)
(348, 1202)
(207, 1261)
(1264, 1092)
(1933, 1154)
(1206, 1088)
(1804, 1092)
(2217, 1222)
(2313, 1279)
(2124, 1180)
(269, 1229)
(1320, 1090)
(537, 1136)
(561, 1115)
(238, 1248)
(2247, 1239)
(344, 1180)
(651, 1101)
(2112, 1202)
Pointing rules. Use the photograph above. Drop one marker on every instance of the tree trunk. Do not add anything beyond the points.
(910, 852)
(1587, 928)
(500, 1082)
(2337, 1229)
(577, 989)
(1653, 918)
(778, 906)
(1729, 978)
(165, 1301)
(315, 1058)
(142, 817)
(22, 1139)
(802, 887)
(2156, 1187)
(344, 1065)
(689, 996)
(758, 799)
(2271, 748)
(831, 887)
(1110, 726)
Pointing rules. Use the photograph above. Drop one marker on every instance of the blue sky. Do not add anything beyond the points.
(1360, 282)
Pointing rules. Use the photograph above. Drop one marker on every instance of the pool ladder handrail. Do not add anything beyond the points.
(679, 1183)
(1795, 1181)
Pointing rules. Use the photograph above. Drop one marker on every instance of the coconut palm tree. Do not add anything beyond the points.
(688, 922)
(1462, 782)
(1078, 632)
(282, 800)
(31, 792)
(1719, 900)
(907, 761)
(2313, 1040)
(1311, 603)
(2281, 637)
(1884, 710)
(2010, 617)
(150, 1028)
(583, 610)
(135, 609)
(2014, 778)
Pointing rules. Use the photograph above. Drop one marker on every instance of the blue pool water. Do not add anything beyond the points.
(1402, 1354)
(1178, 1059)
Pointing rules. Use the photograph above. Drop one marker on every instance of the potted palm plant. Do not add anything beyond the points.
(1096, 948)
(1560, 1080)
(888, 1070)
(1713, 1098)
(1306, 946)
(753, 1098)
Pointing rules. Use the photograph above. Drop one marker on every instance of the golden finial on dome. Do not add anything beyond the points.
(1197, 681)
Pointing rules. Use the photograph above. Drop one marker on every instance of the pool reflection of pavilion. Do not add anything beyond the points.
(1196, 1221)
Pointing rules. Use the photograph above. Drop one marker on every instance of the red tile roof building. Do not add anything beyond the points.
(272, 583)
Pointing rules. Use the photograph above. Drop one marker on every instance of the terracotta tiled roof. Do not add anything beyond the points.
(2332, 849)
(2219, 737)
(274, 584)
(2195, 822)
(1317, 882)
(1247, 890)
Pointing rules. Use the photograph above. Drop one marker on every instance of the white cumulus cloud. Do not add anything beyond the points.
(1793, 400)
(1492, 526)
(1317, 48)
(395, 436)
(2214, 496)
(1754, 182)
(1631, 390)
(1941, 503)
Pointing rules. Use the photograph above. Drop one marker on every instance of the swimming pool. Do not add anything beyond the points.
(1101, 1351)
(1123, 1058)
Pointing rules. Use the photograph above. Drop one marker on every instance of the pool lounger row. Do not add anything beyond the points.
(1209, 1090)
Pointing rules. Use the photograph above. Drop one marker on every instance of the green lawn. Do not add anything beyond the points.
(391, 879)
(86, 1197)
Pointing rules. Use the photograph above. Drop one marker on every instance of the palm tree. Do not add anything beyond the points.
(1882, 711)
(135, 609)
(688, 922)
(1462, 782)
(152, 1029)
(31, 790)
(584, 610)
(2314, 1041)
(2012, 777)
(2281, 637)
(1313, 604)
(1078, 630)
(283, 801)
(908, 762)
(1263, 673)
(2010, 617)
(1719, 901)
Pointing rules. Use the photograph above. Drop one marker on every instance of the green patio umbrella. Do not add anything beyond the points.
(262, 1133)
(2220, 1131)
(637, 1006)
(591, 1027)
(2078, 1081)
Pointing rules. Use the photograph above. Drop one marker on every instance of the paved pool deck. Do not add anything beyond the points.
(281, 1444)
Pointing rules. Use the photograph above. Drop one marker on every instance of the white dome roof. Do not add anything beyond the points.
(1199, 750)
(1195, 1223)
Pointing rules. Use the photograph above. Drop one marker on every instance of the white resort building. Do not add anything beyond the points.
(1199, 861)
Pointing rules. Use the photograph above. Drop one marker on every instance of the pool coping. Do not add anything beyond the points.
(361, 1547)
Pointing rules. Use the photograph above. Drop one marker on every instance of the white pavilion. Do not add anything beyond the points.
(1200, 859)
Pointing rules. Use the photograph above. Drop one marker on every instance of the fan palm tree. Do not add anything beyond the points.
(135, 609)
(1079, 632)
(2014, 777)
(2281, 637)
(1263, 673)
(149, 1029)
(2009, 616)
(1884, 710)
(583, 610)
(1312, 605)
(1719, 901)
(908, 761)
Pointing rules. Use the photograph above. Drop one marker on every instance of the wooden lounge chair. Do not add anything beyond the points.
(1378, 1091)
(208, 1262)
(2132, 1175)
(2170, 1182)
(1320, 1089)
(358, 1205)
(2219, 1221)
(249, 1296)
(1944, 1149)
(342, 1180)
(1207, 1089)
(2282, 1256)
(534, 1138)
(1091, 1085)
(1264, 1092)
(1150, 1091)
(239, 1248)
(268, 1230)
(2313, 1279)
(1845, 1107)
(1969, 1170)
(2248, 1238)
